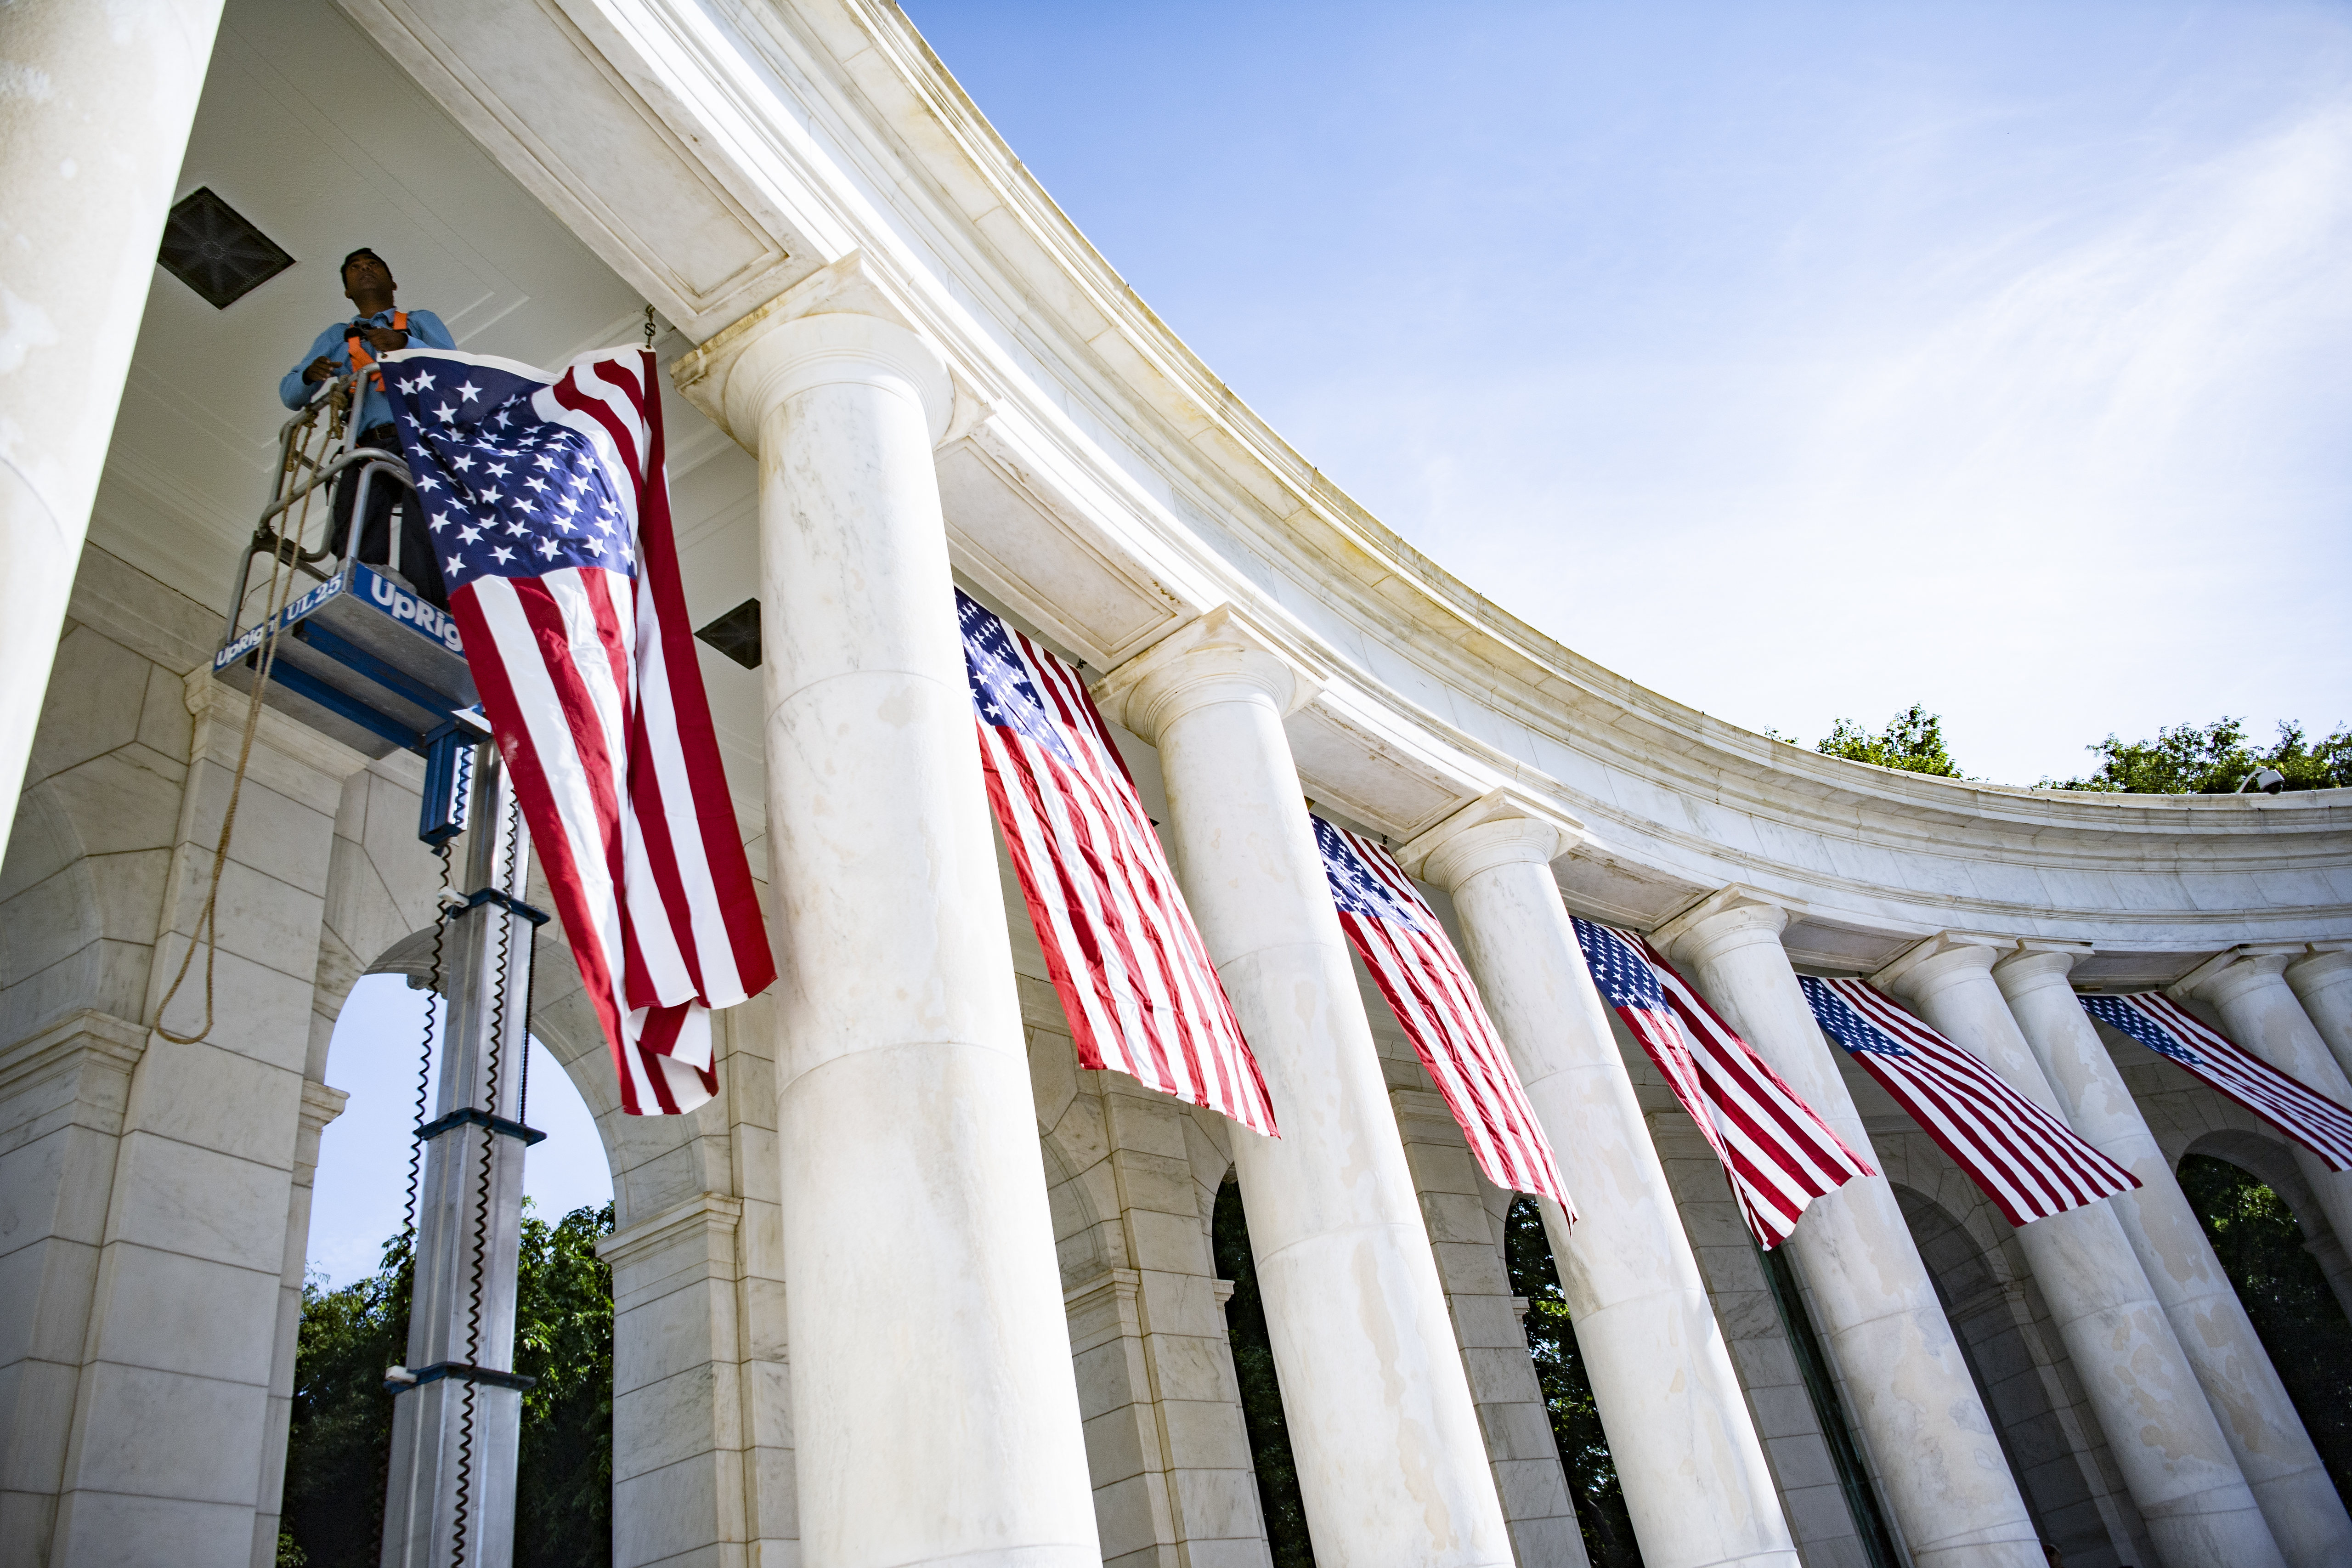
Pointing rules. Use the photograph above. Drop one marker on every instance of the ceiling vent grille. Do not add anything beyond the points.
(213, 249)
(736, 633)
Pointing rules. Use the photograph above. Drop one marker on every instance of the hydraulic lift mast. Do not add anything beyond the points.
(457, 1405)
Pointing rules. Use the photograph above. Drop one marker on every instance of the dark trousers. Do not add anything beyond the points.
(386, 495)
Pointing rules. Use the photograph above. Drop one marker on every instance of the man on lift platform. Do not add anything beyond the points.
(378, 330)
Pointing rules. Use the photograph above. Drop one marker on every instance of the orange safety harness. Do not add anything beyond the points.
(357, 346)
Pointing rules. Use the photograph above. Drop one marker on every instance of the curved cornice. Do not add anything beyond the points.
(831, 123)
(1332, 544)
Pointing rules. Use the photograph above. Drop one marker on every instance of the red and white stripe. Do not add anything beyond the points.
(593, 691)
(1135, 980)
(2027, 1161)
(1434, 998)
(1776, 1150)
(2303, 1114)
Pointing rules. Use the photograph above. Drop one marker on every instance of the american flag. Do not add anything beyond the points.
(2028, 1163)
(1134, 978)
(1776, 1150)
(1416, 968)
(2162, 1025)
(549, 514)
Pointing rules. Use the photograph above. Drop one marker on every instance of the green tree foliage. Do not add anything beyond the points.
(564, 1337)
(1269, 1435)
(2212, 759)
(2261, 1249)
(1912, 741)
(341, 1441)
(1568, 1394)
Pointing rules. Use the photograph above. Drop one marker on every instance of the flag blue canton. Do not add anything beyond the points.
(1849, 1028)
(2119, 1014)
(1353, 886)
(1625, 977)
(1001, 692)
(507, 490)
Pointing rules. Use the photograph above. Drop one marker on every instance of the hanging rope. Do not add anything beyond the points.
(284, 551)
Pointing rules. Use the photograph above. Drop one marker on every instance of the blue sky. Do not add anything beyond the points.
(363, 1177)
(1795, 360)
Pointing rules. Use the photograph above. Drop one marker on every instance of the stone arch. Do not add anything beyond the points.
(2056, 1446)
(380, 918)
(1209, 1141)
(1081, 1190)
(2268, 1158)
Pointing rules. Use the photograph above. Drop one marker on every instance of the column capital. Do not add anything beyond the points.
(844, 323)
(322, 1103)
(2037, 962)
(84, 1039)
(1210, 658)
(2319, 966)
(1502, 827)
(2234, 969)
(288, 755)
(702, 1214)
(1732, 916)
(1930, 963)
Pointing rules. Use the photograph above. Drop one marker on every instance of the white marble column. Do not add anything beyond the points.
(1391, 1465)
(93, 119)
(1696, 1482)
(2177, 1467)
(2273, 1452)
(920, 1253)
(2247, 985)
(2322, 982)
(1930, 1444)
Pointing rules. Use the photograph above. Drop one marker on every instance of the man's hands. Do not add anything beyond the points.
(383, 339)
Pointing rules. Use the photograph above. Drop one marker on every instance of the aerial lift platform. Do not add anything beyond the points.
(361, 655)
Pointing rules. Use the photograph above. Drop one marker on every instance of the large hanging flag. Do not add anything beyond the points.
(1416, 968)
(549, 514)
(1778, 1152)
(2162, 1025)
(1134, 978)
(2028, 1163)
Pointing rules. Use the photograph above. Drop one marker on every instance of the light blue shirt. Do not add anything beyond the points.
(425, 329)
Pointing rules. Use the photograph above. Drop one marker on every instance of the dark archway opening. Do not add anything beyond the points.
(2012, 1353)
(1261, 1391)
(2261, 1248)
(1568, 1394)
(1820, 1389)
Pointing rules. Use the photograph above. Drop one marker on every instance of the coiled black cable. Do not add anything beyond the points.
(425, 1059)
(493, 1063)
(465, 1475)
(416, 1146)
